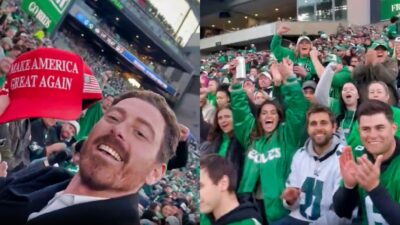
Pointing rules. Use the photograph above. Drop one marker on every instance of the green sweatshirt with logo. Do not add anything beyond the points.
(281, 52)
(268, 158)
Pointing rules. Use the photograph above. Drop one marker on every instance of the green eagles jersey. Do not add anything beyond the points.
(389, 179)
(269, 157)
(282, 52)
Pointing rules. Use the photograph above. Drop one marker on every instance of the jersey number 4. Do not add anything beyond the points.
(311, 207)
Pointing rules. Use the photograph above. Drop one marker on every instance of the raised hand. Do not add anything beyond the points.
(371, 57)
(314, 53)
(336, 67)
(276, 75)
(282, 29)
(348, 168)
(290, 195)
(367, 173)
(183, 132)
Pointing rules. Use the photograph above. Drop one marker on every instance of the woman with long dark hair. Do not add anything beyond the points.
(222, 141)
(271, 138)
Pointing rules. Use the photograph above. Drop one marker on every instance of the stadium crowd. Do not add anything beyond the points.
(29, 144)
(304, 132)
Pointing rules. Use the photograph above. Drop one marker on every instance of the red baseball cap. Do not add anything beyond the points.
(45, 82)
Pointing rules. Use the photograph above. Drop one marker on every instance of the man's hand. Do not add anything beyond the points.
(183, 132)
(367, 173)
(290, 195)
(348, 168)
(283, 29)
(300, 71)
(371, 57)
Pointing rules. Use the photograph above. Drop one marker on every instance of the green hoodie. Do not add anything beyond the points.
(269, 157)
(281, 52)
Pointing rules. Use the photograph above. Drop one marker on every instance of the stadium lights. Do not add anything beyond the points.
(137, 36)
(148, 46)
(116, 18)
(256, 14)
(134, 82)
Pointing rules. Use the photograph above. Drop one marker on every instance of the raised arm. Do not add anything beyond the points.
(243, 119)
(324, 85)
(276, 44)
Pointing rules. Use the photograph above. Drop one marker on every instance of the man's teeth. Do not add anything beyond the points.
(110, 151)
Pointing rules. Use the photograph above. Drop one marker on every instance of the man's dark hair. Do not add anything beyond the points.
(171, 130)
(224, 88)
(217, 167)
(316, 108)
(372, 107)
(394, 19)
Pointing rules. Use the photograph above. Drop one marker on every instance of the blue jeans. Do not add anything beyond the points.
(288, 220)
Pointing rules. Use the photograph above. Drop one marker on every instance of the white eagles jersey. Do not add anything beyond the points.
(318, 180)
